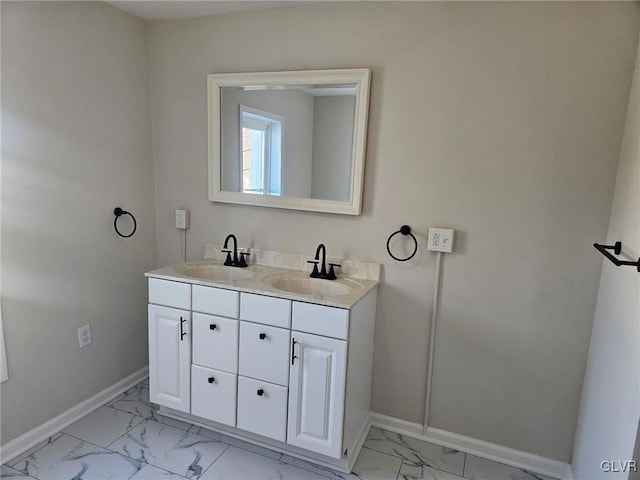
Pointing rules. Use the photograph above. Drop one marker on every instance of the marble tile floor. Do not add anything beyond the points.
(128, 439)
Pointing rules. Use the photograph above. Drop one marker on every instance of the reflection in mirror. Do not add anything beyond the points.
(261, 151)
(294, 141)
(289, 139)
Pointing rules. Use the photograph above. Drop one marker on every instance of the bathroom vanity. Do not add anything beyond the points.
(265, 353)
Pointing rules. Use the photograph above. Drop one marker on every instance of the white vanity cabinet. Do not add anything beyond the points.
(286, 374)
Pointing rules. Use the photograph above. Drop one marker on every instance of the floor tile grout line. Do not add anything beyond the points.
(465, 458)
(405, 460)
(128, 430)
(111, 443)
(48, 442)
(528, 472)
(216, 459)
(106, 448)
(160, 468)
(399, 471)
(386, 453)
(464, 464)
(309, 469)
(143, 463)
(279, 459)
(20, 471)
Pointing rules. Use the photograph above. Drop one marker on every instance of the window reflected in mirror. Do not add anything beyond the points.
(261, 151)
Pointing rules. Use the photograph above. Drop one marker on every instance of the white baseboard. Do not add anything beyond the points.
(569, 473)
(17, 446)
(357, 446)
(473, 446)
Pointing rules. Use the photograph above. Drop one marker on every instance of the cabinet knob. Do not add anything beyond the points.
(212, 379)
(213, 326)
(263, 336)
(260, 392)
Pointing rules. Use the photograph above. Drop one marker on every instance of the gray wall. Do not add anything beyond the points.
(332, 147)
(502, 120)
(75, 144)
(610, 407)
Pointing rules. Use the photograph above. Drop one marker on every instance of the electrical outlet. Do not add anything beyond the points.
(84, 335)
(440, 240)
(182, 219)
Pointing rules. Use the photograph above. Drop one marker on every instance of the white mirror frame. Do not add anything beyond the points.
(358, 76)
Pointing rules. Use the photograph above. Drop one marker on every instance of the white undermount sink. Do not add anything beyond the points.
(217, 272)
(313, 286)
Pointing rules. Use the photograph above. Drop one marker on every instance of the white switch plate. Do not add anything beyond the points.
(84, 335)
(182, 219)
(440, 240)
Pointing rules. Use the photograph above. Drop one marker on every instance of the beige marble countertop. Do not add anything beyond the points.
(261, 276)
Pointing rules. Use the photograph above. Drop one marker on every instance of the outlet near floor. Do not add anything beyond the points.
(84, 335)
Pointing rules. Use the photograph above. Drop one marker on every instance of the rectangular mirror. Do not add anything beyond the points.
(291, 140)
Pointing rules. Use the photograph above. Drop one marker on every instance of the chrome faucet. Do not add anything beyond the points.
(235, 262)
(331, 275)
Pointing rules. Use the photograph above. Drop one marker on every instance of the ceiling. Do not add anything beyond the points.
(167, 10)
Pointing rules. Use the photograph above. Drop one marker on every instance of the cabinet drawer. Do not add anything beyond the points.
(264, 353)
(215, 301)
(215, 342)
(213, 395)
(266, 310)
(321, 320)
(262, 408)
(171, 294)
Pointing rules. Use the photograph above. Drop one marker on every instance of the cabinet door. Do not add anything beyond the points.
(169, 357)
(316, 393)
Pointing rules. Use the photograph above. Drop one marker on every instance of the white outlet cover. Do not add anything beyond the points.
(440, 240)
(84, 336)
(182, 219)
